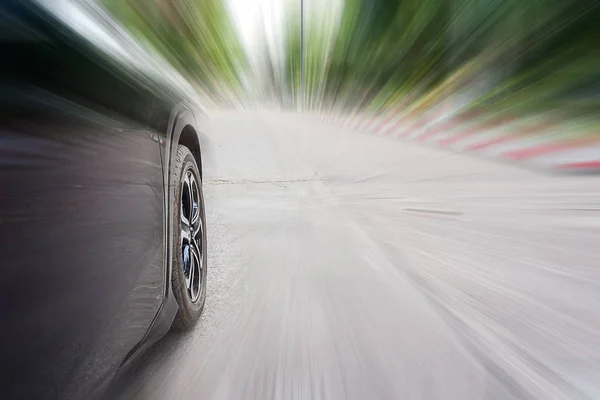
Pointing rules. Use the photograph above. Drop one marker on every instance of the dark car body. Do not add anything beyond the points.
(89, 125)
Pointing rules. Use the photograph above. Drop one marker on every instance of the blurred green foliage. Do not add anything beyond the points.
(510, 55)
(513, 55)
(196, 36)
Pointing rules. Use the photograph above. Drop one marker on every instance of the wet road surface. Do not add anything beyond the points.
(349, 266)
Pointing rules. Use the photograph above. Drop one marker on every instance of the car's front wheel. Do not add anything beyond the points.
(189, 241)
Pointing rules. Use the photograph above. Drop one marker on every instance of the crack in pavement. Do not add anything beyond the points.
(258, 182)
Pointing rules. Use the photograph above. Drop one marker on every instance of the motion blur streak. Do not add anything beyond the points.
(416, 218)
(415, 66)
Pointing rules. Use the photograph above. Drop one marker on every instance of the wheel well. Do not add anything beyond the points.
(189, 139)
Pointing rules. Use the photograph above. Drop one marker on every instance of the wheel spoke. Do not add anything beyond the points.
(185, 223)
(195, 275)
(185, 233)
(187, 262)
(198, 254)
(189, 181)
(185, 204)
(189, 280)
(194, 218)
(195, 198)
(197, 230)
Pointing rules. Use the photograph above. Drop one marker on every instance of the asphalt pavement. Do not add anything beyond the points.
(350, 266)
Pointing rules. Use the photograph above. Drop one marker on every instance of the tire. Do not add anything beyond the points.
(189, 241)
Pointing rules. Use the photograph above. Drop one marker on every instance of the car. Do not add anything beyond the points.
(102, 218)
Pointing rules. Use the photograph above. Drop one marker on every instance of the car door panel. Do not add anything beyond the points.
(82, 212)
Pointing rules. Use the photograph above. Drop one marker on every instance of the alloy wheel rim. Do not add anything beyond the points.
(191, 231)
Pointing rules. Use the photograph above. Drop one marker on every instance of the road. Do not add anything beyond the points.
(350, 266)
